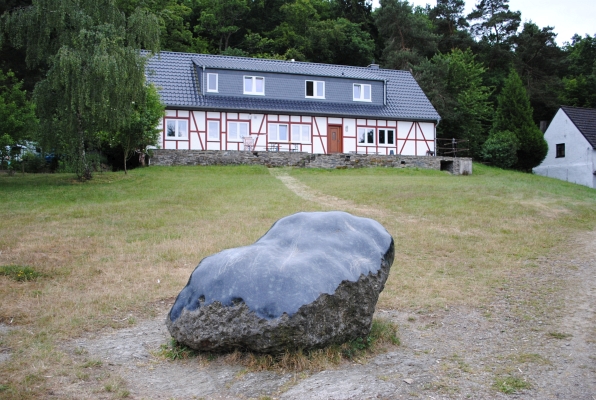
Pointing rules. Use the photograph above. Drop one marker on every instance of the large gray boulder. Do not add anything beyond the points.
(312, 280)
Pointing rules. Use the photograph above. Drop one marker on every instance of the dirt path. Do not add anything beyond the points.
(305, 192)
(529, 336)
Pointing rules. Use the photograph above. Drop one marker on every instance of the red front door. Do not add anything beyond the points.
(334, 139)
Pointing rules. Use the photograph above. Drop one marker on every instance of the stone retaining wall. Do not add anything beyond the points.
(456, 166)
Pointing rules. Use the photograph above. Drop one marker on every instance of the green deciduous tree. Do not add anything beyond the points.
(221, 19)
(340, 42)
(17, 113)
(141, 131)
(579, 83)
(453, 84)
(96, 73)
(514, 113)
(500, 149)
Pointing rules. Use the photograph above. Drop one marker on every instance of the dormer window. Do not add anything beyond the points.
(254, 85)
(315, 89)
(361, 92)
(212, 83)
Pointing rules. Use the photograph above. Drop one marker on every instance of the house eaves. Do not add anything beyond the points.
(585, 121)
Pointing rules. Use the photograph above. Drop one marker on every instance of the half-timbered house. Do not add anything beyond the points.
(236, 103)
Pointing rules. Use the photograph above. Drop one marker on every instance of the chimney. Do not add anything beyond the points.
(543, 126)
(373, 66)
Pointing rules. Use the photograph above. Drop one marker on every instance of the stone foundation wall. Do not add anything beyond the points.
(456, 166)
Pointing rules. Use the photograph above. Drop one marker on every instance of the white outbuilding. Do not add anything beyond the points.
(571, 138)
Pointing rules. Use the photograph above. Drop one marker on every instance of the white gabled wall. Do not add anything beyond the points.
(580, 158)
(409, 138)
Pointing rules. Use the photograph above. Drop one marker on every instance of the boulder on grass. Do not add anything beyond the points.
(312, 280)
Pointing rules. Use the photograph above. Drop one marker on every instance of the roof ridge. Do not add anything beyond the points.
(276, 61)
(580, 108)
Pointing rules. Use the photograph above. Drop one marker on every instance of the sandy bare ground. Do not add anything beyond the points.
(541, 330)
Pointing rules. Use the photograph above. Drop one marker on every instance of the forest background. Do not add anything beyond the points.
(462, 62)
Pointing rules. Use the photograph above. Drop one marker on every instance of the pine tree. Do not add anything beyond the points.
(514, 114)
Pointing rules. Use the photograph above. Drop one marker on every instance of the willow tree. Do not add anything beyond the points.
(95, 69)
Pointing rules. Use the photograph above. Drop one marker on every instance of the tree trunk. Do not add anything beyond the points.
(83, 171)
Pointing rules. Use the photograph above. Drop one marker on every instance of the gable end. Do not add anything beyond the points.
(584, 120)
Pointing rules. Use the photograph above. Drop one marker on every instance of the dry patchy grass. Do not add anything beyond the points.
(459, 238)
(106, 250)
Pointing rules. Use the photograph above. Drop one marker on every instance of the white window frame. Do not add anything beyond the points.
(209, 88)
(179, 134)
(273, 133)
(315, 89)
(301, 131)
(213, 131)
(386, 141)
(239, 137)
(253, 85)
(368, 135)
(363, 88)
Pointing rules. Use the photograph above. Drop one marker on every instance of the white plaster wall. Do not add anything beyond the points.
(408, 149)
(428, 130)
(403, 128)
(259, 126)
(349, 144)
(319, 144)
(200, 117)
(195, 143)
(422, 148)
(213, 146)
(255, 125)
(593, 168)
(578, 164)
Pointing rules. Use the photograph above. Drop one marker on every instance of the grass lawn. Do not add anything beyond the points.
(97, 254)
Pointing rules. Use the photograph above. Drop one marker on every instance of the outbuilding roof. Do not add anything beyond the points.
(585, 121)
(175, 76)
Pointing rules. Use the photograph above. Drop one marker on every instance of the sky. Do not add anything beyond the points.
(568, 17)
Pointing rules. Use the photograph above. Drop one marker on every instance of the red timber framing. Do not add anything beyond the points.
(415, 134)
(410, 138)
(178, 115)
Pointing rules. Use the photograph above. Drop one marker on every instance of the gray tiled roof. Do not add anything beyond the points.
(175, 76)
(585, 120)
